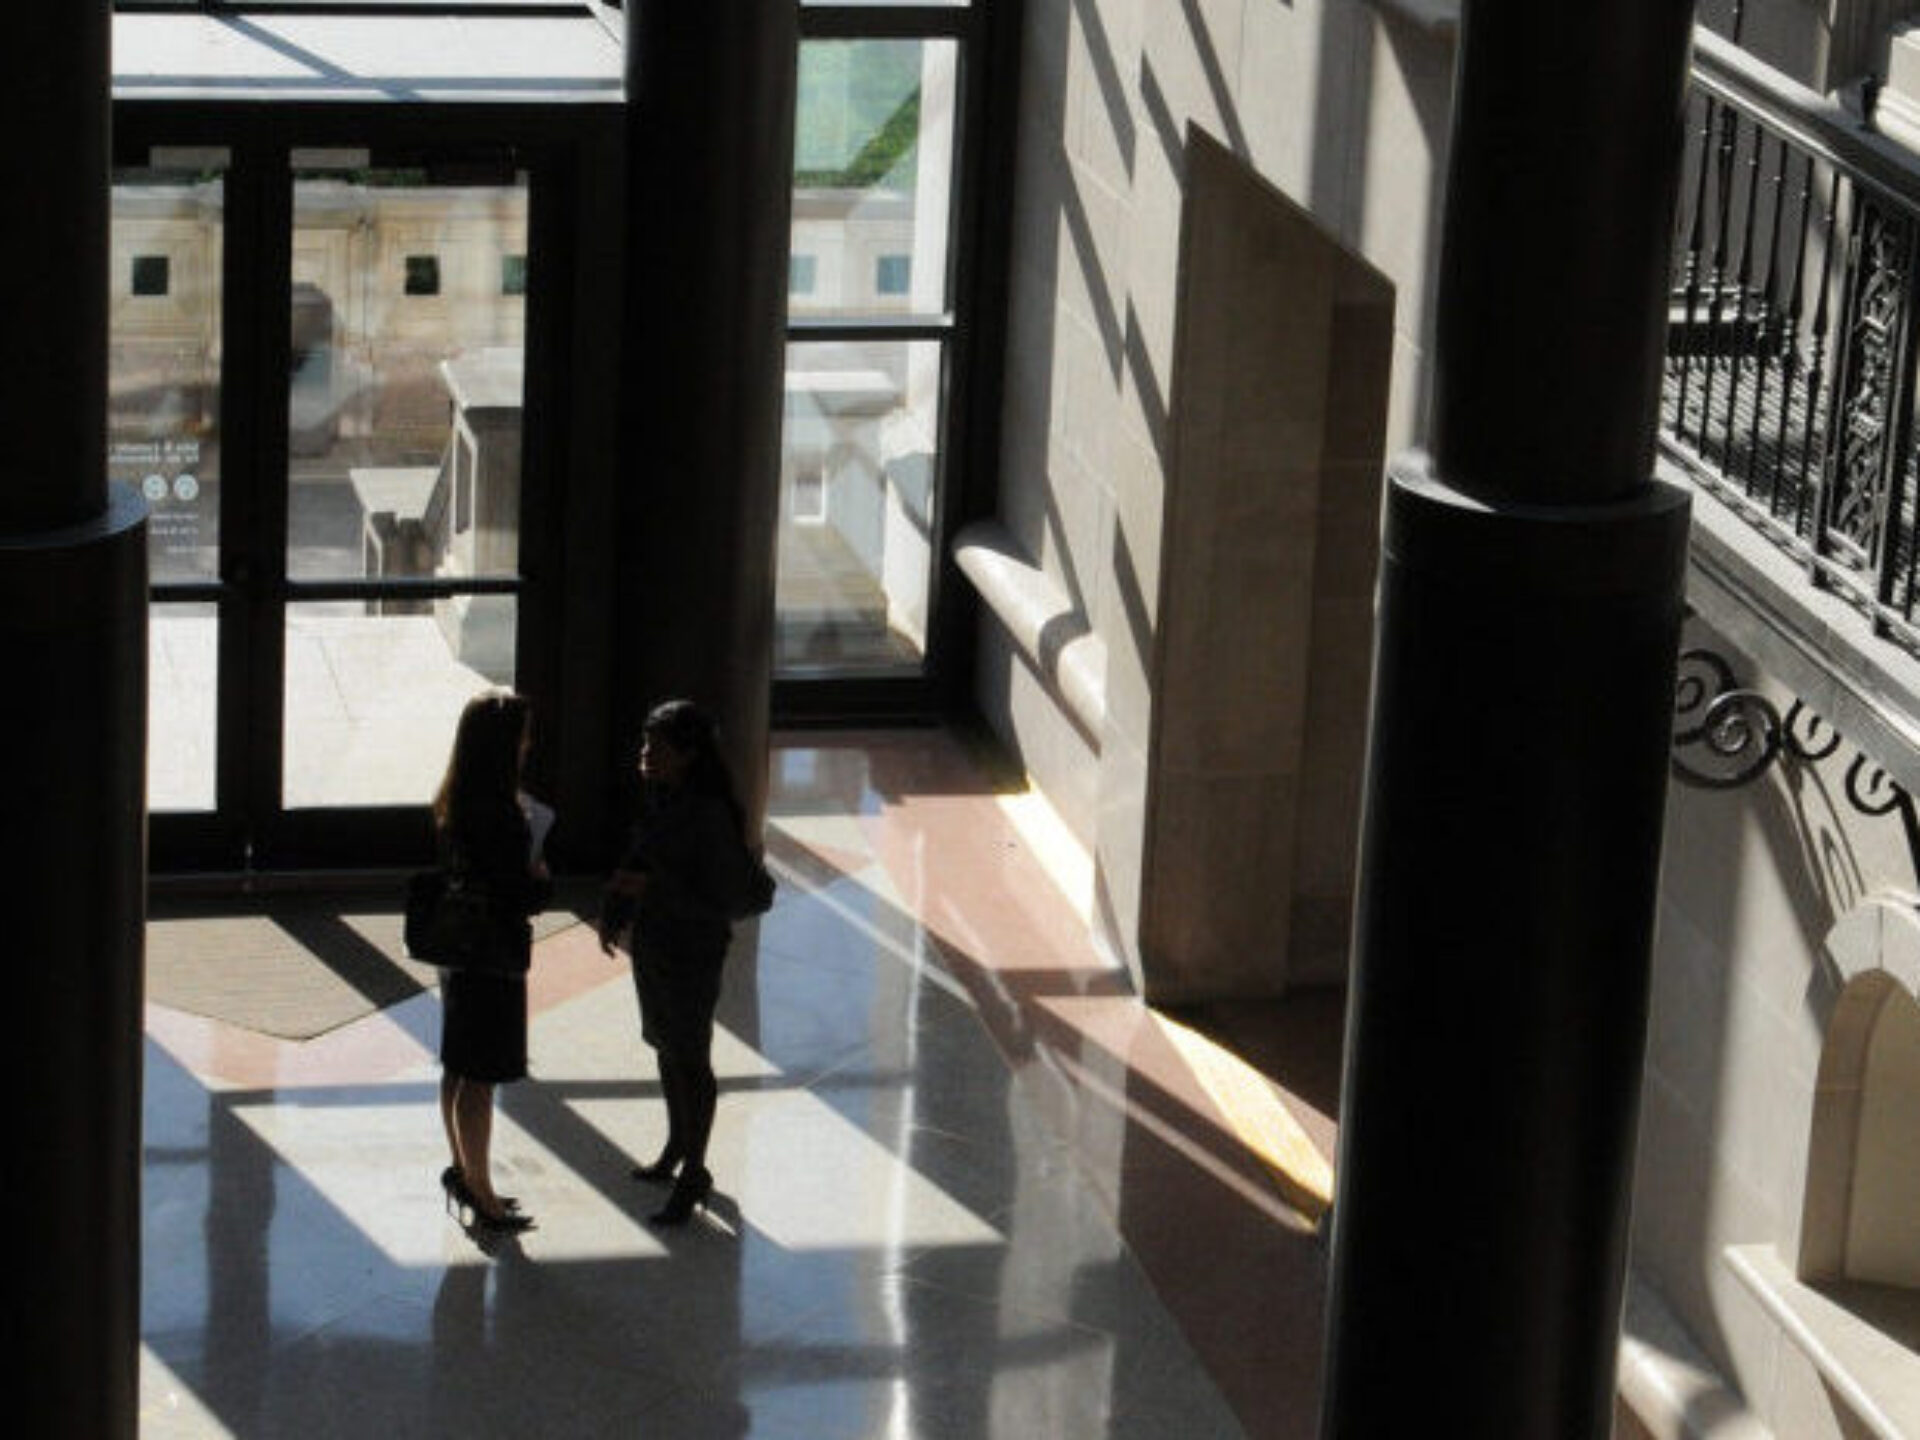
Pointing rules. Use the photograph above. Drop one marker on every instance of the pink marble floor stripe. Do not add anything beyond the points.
(1242, 1271)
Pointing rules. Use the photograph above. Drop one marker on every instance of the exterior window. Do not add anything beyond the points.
(513, 274)
(152, 275)
(861, 458)
(423, 275)
(808, 503)
(874, 147)
(869, 337)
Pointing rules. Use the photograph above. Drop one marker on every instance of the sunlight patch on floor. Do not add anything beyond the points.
(169, 1408)
(377, 1165)
(1067, 862)
(808, 1179)
(1256, 1109)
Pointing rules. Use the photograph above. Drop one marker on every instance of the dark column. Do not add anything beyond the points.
(710, 95)
(73, 653)
(1529, 609)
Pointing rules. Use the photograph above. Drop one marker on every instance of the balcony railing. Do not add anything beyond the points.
(1790, 384)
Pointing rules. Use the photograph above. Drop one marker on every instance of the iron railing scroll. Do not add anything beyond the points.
(1726, 735)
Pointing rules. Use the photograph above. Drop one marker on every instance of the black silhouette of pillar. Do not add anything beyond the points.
(1529, 610)
(73, 574)
(710, 97)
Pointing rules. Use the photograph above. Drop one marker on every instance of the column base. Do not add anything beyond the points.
(1522, 708)
(73, 646)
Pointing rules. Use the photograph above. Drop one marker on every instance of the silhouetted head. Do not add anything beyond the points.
(483, 773)
(680, 747)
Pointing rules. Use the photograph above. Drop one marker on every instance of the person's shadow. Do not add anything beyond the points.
(517, 1339)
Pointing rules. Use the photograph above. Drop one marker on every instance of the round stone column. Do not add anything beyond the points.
(1529, 612)
(73, 648)
(710, 97)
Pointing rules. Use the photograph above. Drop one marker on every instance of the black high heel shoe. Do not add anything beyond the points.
(507, 1222)
(690, 1192)
(455, 1184)
(661, 1171)
(460, 1198)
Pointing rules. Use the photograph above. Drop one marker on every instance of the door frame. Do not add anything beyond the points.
(566, 469)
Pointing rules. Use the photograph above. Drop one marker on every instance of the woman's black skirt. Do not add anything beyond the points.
(678, 994)
(483, 1033)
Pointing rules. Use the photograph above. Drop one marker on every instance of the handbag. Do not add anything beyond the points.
(758, 898)
(450, 923)
(424, 889)
(753, 890)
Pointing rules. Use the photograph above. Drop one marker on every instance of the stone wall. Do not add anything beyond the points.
(1341, 107)
(1775, 895)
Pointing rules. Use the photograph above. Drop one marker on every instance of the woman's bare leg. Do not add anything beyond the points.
(449, 1085)
(473, 1127)
(699, 1097)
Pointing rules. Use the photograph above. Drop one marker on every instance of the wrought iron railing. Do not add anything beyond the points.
(1790, 384)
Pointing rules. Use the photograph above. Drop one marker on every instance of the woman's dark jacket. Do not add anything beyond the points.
(492, 849)
(697, 866)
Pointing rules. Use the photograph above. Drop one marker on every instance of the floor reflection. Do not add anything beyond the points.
(926, 1204)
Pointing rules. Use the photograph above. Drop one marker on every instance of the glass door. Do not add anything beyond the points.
(335, 541)
(401, 485)
(165, 347)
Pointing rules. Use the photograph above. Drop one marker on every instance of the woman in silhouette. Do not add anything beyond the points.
(485, 842)
(686, 873)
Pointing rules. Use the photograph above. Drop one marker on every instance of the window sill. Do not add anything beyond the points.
(1668, 1384)
(1040, 618)
(1867, 1367)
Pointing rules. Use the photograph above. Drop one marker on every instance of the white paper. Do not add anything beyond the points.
(539, 821)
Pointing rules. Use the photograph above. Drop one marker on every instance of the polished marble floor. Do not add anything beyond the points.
(967, 1185)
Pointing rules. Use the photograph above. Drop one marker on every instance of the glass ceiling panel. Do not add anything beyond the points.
(387, 52)
(444, 7)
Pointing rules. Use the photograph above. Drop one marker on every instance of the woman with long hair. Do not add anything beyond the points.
(686, 873)
(485, 843)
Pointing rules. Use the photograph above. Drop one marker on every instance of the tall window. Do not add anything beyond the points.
(870, 330)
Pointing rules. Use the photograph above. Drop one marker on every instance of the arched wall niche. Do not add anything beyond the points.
(1861, 1211)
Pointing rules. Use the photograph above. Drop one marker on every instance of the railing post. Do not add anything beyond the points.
(1872, 384)
(1695, 243)
(1898, 420)
(1818, 292)
(1768, 309)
